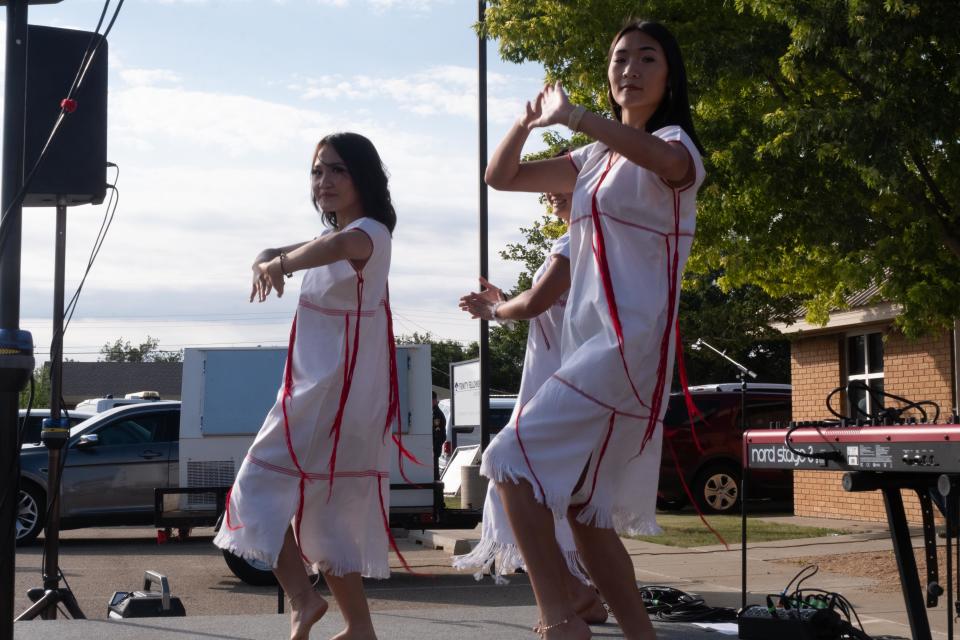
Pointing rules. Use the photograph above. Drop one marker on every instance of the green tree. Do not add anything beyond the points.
(41, 388)
(442, 353)
(146, 351)
(830, 130)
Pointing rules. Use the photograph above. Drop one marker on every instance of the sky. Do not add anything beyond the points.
(214, 108)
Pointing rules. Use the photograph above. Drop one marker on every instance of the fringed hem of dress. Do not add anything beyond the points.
(340, 569)
(256, 555)
(500, 560)
(622, 521)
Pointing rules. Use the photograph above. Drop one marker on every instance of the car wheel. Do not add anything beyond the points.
(717, 489)
(253, 572)
(30, 513)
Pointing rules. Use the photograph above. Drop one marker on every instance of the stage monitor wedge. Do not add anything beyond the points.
(75, 166)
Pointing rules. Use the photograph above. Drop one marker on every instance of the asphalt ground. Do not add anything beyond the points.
(98, 562)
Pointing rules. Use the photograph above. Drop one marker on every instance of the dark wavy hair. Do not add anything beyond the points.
(368, 174)
(674, 109)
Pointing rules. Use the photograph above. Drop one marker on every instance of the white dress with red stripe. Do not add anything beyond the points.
(497, 550)
(320, 461)
(591, 435)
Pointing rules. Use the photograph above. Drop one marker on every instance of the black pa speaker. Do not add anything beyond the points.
(75, 165)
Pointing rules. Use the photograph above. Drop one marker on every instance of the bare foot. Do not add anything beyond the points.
(356, 634)
(306, 609)
(588, 605)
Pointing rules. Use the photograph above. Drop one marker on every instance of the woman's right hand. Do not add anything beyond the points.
(481, 304)
(267, 276)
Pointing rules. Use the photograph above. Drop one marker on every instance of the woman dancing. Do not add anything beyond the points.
(314, 487)
(566, 454)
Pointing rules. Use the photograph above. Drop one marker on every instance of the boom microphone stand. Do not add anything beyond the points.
(742, 373)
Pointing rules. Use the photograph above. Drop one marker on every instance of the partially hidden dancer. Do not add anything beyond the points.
(543, 305)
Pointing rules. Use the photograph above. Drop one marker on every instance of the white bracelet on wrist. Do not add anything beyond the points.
(573, 120)
(493, 310)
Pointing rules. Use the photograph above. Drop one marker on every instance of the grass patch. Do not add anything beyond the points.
(688, 531)
(451, 502)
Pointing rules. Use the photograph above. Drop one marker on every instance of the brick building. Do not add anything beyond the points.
(861, 343)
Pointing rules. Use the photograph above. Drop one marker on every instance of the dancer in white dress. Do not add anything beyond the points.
(543, 304)
(314, 487)
(634, 207)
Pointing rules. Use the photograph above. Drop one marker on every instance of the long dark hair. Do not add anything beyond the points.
(674, 109)
(368, 174)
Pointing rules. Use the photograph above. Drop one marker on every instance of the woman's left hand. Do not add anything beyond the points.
(554, 106)
(266, 277)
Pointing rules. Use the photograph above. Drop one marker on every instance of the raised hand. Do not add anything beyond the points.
(552, 106)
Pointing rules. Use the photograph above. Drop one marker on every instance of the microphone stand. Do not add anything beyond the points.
(742, 373)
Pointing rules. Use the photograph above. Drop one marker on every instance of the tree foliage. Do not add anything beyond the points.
(146, 351)
(41, 388)
(831, 134)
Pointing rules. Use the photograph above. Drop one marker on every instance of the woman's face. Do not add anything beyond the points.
(332, 184)
(561, 205)
(638, 72)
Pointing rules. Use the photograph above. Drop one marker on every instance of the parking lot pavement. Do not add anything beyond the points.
(97, 562)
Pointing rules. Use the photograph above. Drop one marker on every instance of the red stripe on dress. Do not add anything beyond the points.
(603, 450)
(287, 394)
(597, 400)
(692, 411)
(686, 489)
(369, 313)
(523, 450)
(393, 403)
(386, 526)
(673, 267)
(316, 476)
(600, 254)
(349, 367)
(543, 333)
(687, 234)
(227, 513)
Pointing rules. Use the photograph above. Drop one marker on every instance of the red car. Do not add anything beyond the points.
(714, 476)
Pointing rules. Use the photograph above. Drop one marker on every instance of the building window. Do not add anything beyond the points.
(865, 365)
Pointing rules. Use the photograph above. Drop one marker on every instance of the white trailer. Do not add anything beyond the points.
(226, 394)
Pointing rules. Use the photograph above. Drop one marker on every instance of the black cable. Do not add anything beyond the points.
(891, 414)
(820, 599)
(826, 455)
(97, 245)
(672, 605)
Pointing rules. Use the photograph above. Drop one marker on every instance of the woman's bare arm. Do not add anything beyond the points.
(529, 304)
(670, 161)
(353, 245)
(505, 172)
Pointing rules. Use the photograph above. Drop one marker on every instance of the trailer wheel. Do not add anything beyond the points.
(253, 572)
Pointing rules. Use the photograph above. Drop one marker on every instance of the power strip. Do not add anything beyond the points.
(761, 623)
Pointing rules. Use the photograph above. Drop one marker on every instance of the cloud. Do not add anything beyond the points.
(441, 90)
(210, 178)
(148, 77)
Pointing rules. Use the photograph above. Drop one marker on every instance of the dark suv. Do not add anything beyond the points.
(714, 475)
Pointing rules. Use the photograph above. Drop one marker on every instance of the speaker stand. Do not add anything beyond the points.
(56, 432)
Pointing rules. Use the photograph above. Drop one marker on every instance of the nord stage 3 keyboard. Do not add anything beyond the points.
(909, 448)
